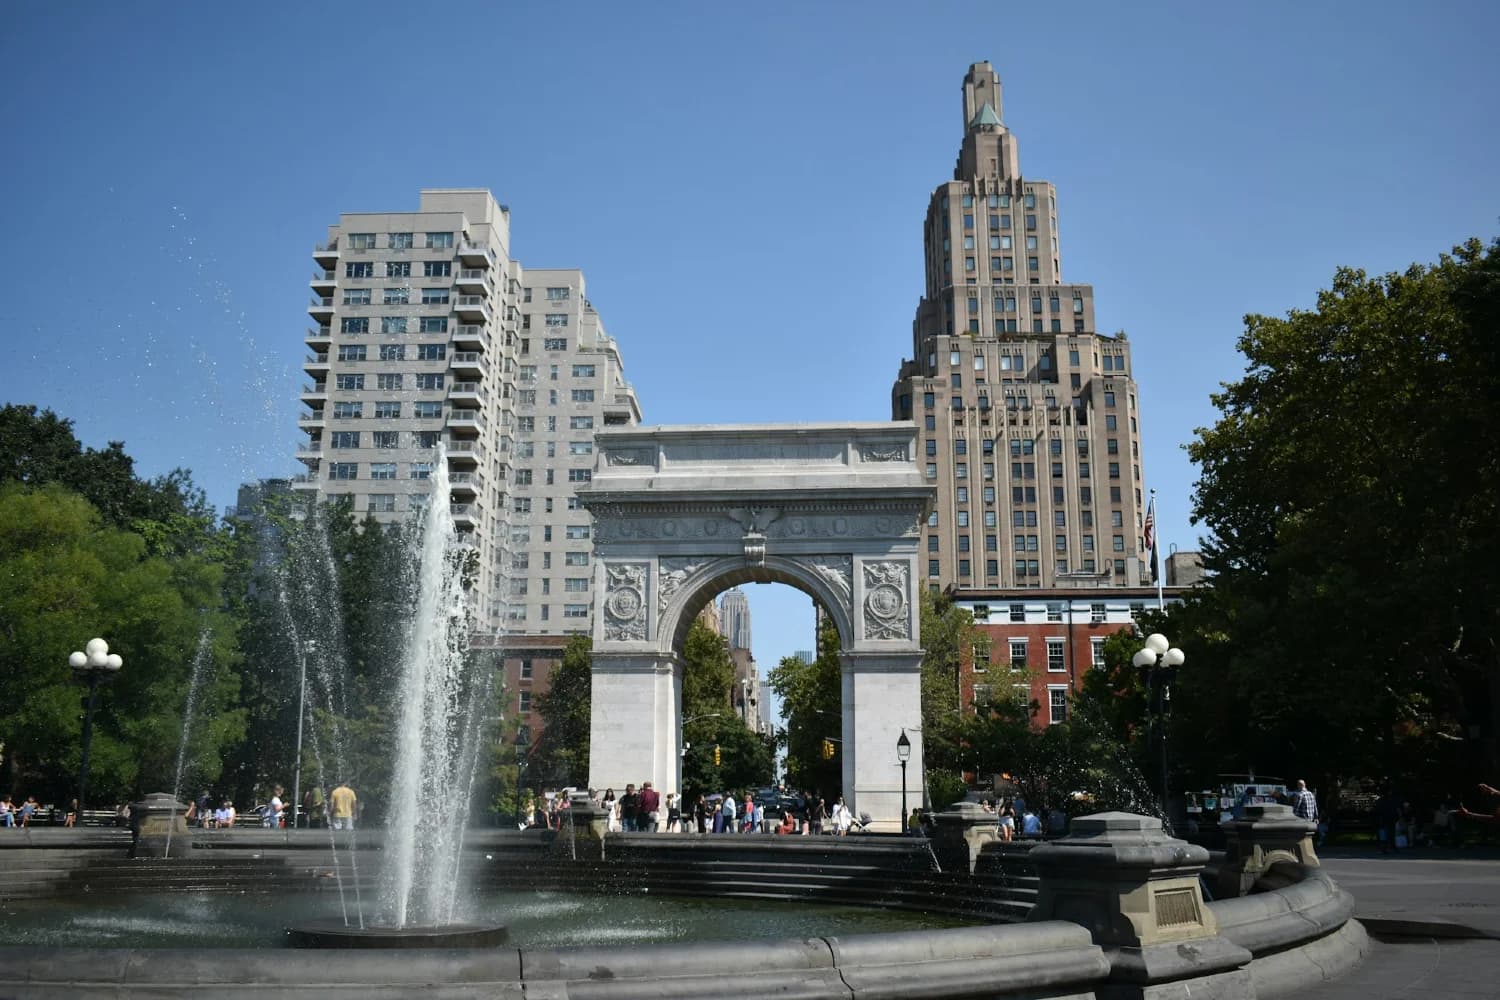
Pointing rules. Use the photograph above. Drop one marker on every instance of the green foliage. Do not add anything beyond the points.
(944, 788)
(708, 673)
(1351, 487)
(947, 630)
(811, 697)
(562, 755)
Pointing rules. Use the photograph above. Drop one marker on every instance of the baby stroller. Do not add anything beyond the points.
(861, 825)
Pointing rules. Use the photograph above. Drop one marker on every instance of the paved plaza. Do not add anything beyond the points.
(1436, 915)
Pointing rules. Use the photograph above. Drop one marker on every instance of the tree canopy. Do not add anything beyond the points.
(1350, 488)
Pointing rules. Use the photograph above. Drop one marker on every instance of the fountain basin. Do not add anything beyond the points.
(337, 934)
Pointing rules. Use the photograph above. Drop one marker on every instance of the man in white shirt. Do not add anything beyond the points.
(729, 811)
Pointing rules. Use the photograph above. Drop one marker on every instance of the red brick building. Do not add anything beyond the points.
(1040, 643)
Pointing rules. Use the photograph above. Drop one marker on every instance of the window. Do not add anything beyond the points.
(1096, 653)
(393, 324)
(1018, 612)
(576, 584)
(523, 477)
(397, 296)
(426, 439)
(348, 411)
(1057, 703)
(555, 344)
(429, 380)
(932, 568)
(1096, 613)
(343, 470)
(392, 352)
(434, 296)
(359, 269)
(352, 352)
(1055, 661)
(439, 241)
(400, 241)
(432, 352)
(385, 439)
(382, 503)
(427, 409)
(1018, 654)
(398, 269)
(421, 470)
(557, 294)
(580, 475)
(382, 470)
(576, 531)
(437, 269)
(524, 702)
(576, 559)
(387, 411)
(583, 395)
(583, 371)
(362, 241)
(575, 610)
(360, 325)
(433, 324)
(580, 448)
(556, 319)
(345, 439)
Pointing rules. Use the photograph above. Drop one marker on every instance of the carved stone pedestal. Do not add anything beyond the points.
(1136, 890)
(160, 827)
(960, 833)
(1267, 834)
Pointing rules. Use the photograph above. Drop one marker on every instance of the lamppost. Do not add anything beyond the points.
(903, 753)
(1160, 656)
(91, 666)
(308, 647)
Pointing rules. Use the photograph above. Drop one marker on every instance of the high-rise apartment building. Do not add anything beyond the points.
(734, 618)
(427, 332)
(1027, 416)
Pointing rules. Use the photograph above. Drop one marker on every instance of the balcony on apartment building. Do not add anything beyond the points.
(466, 485)
(471, 336)
(472, 307)
(465, 421)
(323, 282)
(316, 364)
(319, 336)
(312, 420)
(467, 364)
(475, 254)
(327, 254)
(314, 394)
(468, 395)
(466, 516)
(310, 452)
(321, 307)
(474, 281)
(305, 481)
(465, 453)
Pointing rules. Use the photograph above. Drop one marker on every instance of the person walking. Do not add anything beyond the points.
(648, 813)
(815, 813)
(729, 811)
(1304, 803)
(674, 814)
(630, 804)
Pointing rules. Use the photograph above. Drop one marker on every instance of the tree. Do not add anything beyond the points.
(811, 696)
(71, 576)
(1351, 487)
(562, 754)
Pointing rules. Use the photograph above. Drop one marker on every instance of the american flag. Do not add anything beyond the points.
(1149, 536)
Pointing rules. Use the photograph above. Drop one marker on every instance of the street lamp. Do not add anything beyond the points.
(91, 666)
(1158, 656)
(903, 754)
(522, 744)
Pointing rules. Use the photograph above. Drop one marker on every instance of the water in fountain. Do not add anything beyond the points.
(430, 786)
(203, 657)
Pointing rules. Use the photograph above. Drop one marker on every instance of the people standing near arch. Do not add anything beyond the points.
(630, 804)
(648, 812)
(729, 812)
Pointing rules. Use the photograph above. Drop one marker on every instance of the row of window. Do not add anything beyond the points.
(571, 585)
(520, 534)
(1026, 567)
(378, 470)
(522, 560)
(423, 409)
(517, 613)
(1016, 613)
(1057, 699)
(353, 382)
(398, 269)
(1018, 647)
(1027, 543)
(385, 439)
(399, 241)
(527, 397)
(527, 373)
(392, 352)
(394, 324)
(522, 505)
(526, 477)
(554, 294)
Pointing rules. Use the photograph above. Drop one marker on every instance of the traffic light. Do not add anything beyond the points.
(718, 756)
(828, 749)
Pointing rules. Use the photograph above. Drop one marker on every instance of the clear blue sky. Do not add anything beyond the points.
(744, 189)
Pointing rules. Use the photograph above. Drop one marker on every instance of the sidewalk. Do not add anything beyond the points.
(1435, 915)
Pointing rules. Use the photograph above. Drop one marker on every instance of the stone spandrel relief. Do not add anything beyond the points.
(837, 572)
(887, 608)
(631, 456)
(625, 602)
(895, 452)
(670, 578)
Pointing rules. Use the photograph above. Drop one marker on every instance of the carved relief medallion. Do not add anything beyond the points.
(625, 602)
(886, 606)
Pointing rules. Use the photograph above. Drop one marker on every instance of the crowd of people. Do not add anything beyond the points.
(643, 810)
(337, 809)
(18, 816)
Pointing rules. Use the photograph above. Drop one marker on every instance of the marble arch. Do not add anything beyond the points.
(683, 512)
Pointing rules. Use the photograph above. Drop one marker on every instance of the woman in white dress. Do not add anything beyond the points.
(842, 818)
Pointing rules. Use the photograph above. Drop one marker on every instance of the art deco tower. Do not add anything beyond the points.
(1026, 415)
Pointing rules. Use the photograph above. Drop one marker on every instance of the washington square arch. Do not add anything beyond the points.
(684, 512)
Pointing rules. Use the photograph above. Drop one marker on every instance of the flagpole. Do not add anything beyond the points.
(1161, 600)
